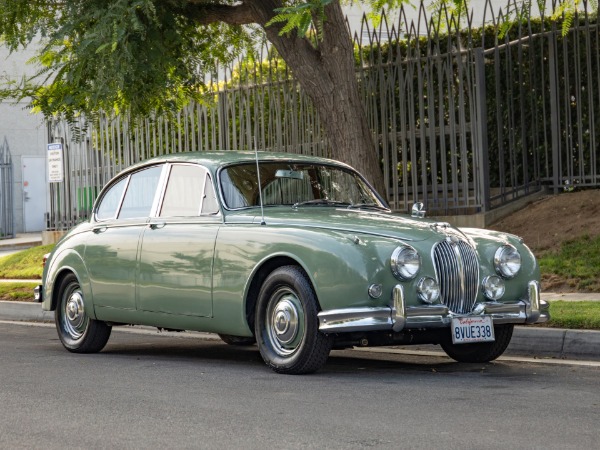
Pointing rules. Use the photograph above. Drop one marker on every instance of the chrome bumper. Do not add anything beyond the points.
(399, 316)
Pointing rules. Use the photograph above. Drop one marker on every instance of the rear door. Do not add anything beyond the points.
(177, 249)
(112, 247)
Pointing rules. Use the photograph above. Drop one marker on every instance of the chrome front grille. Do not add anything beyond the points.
(457, 271)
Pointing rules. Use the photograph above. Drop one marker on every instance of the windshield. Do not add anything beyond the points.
(295, 184)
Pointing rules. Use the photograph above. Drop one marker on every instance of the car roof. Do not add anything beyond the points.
(213, 160)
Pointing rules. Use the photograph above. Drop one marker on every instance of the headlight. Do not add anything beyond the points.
(493, 287)
(507, 261)
(428, 290)
(405, 262)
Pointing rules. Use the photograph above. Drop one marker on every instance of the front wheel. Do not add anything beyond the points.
(76, 330)
(481, 352)
(287, 326)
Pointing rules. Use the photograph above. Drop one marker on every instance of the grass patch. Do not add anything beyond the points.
(17, 291)
(574, 315)
(576, 265)
(26, 264)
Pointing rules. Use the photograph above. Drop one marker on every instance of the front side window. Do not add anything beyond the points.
(289, 183)
(140, 193)
(185, 189)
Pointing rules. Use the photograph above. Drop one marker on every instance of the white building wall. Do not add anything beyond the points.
(21, 131)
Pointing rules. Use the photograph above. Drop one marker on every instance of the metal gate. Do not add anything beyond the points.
(7, 228)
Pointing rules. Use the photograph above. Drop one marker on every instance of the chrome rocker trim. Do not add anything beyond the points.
(399, 316)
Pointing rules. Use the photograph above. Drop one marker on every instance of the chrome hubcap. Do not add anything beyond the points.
(285, 322)
(75, 322)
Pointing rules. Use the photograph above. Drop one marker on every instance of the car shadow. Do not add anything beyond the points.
(339, 363)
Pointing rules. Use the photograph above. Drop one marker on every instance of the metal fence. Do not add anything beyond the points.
(466, 118)
(7, 226)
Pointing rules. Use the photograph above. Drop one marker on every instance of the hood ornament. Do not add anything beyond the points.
(417, 210)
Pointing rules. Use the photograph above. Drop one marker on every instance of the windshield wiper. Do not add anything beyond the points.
(320, 202)
(367, 206)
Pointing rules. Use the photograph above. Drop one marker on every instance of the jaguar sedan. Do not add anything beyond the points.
(298, 255)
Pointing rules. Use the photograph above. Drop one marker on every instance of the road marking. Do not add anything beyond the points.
(523, 359)
(394, 351)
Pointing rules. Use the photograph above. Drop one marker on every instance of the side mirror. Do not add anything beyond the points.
(417, 210)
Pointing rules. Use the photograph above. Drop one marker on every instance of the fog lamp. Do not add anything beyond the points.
(428, 290)
(493, 287)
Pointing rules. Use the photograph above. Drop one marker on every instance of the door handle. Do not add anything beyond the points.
(157, 225)
(99, 230)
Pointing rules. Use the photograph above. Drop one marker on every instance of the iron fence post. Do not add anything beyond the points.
(483, 170)
(554, 112)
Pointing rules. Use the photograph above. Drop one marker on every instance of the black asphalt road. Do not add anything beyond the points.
(166, 391)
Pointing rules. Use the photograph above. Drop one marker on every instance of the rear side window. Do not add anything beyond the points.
(140, 193)
(110, 201)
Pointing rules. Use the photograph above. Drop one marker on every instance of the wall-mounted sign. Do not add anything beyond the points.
(55, 163)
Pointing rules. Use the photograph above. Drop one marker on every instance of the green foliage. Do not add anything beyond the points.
(300, 16)
(17, 291)
(145, 56)
(567, 11)
(574, 315)
(25, 264)
(577, 261)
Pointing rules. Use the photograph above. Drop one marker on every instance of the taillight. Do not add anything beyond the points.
(44, 259)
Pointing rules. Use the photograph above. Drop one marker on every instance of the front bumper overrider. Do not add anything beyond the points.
(399, 316)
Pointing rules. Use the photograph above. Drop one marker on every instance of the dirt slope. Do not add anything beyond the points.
(552, 220)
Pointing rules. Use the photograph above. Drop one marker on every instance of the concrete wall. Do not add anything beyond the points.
(23, 132)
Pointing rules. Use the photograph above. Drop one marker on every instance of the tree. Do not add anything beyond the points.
(142, 56)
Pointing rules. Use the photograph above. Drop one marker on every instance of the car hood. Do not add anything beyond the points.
(377, 223)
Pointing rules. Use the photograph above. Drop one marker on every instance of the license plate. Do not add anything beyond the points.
(466, 330)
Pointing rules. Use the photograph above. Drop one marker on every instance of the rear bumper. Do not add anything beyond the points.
(37, 294)
(399, 316)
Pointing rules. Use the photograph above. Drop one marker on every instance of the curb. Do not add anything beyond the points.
(536, 342)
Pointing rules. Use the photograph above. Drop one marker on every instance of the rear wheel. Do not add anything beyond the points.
(287, 326)
(481, 352)
(76, 330)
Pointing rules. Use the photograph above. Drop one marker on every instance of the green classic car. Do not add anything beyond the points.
(296, 254)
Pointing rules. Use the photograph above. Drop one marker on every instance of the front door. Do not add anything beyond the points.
(176, 254)
(176, 263)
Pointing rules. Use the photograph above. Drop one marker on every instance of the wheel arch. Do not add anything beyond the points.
(68, 262)
(260, 273)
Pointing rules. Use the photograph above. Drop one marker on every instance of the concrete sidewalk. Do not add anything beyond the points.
(527, 341)
(20, 242)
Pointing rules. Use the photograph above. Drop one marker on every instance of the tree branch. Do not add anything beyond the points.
(205, 13)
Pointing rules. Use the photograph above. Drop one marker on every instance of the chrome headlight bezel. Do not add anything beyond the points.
(493, 287)
(507, 261)
(405, 262)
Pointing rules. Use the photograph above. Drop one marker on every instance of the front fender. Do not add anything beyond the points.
(340, 265)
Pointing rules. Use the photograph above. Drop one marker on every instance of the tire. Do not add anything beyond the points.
(77, 332)
(482, 352)
(287, 326)
(237, 340)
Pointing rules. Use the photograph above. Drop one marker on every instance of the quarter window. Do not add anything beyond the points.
(209, 204)
(110, 201)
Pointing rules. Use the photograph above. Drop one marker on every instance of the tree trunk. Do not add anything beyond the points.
(327, 75)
